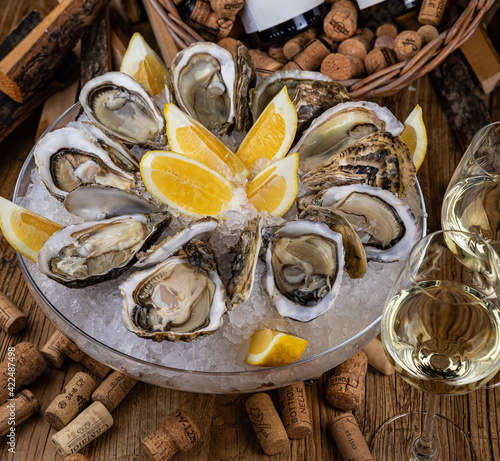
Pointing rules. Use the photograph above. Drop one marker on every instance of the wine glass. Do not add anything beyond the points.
(472, 199)
(441, 331)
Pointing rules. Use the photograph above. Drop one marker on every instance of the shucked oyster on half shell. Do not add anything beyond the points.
(68, 158)
(338, 128)
(94, 251)
(379, 160)
(385, 224)
(180, 298)
(305, 261)
(124, 108)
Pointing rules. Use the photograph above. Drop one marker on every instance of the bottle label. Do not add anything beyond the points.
(259, 15)
(362, 4)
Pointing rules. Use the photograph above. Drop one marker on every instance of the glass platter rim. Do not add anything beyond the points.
(30, 163)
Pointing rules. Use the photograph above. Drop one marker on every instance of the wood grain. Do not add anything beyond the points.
(226, 432)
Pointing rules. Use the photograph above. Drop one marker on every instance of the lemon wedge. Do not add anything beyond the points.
(274, 189)
(144, 65)
(271, 348)
(189, 137)
(272, 134)
(185, 184)
(414, 136)
(24, 230)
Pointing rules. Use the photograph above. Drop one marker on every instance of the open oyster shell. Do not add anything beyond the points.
(125, 108)
(178, 299)
(92, 252)
(379, 160)
(68, 158)
(305, 261)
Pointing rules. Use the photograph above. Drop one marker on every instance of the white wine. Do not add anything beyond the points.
(442, 337)
(473, 205)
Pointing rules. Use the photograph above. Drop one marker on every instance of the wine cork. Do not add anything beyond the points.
(384, 41)
(228, 44)
(389, 28)
(340, 22)
(23, 364)
(276, 52)
(12, 320)
(87, 426)
(295, 44)
(312, 55)
(226, 8)
(199, 14)
(349, 439)
(428, 33)
(431, 12)
(17, 410)
(73, 399)
(355, 47)
(216, 27)
(378, 59)
(367, 33)
(177, 433)
(113, 390)
(76, 457)
(295, 410)
(407, 44)
(262, 60)
(52, 350)
(377, 358)
(347, 5)
(339, 67)
(346, 387)
(267, 424)
(75, 354)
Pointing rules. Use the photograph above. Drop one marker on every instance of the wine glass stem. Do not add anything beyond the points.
(424, 447)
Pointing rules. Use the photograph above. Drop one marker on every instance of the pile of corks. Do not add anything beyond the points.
(343, 51)
(82, 411)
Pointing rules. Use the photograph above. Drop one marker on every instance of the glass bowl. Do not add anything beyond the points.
(160, 374)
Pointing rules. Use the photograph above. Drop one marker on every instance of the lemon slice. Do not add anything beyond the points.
(271, 348)
(189, 137)
(274, 189)
(414, 136)
(144, 65)
(185, 184)
(272, 134)
(24, 230)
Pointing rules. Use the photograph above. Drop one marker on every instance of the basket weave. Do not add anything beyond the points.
(383, 83)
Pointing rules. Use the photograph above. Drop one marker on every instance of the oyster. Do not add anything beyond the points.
(92, 252)
(380, 160)
(68, 158)
(245, 262)
(305, 260)
(124, 108)
(385, 224)
(203, 76)
(245, 79)
(355, 256)
(93, 203)
(338, 128)
(311, 93)
(157, 253)
(178, 299)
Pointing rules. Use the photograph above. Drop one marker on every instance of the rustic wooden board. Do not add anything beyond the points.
(225, 428)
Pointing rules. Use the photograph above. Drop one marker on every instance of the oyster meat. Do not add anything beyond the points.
(340, 127)
(379, 160)
(124, 108)
(68, 158)
(385, 224)
(179, 299)
(245, 79)
(92, 252)
(305, 260)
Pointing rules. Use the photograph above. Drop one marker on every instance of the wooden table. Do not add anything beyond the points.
(225, 428)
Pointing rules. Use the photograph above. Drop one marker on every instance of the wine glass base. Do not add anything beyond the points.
(395, 439)
(495, 382)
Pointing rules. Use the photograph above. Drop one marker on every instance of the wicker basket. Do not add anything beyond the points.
(382, 83)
